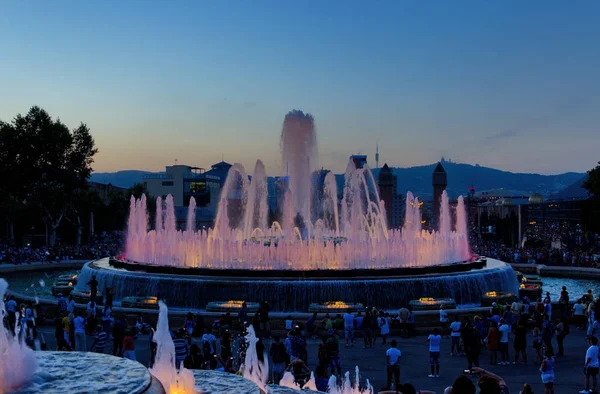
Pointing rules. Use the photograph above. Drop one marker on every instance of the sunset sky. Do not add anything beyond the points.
(513, 85)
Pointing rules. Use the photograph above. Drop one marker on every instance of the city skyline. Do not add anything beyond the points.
(507, 85)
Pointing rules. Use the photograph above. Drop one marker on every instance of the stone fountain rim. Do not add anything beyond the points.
(476, 263)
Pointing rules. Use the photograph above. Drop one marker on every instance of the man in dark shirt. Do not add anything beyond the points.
(279, 358)
(93, 284)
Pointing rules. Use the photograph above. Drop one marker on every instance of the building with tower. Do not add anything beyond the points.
(359, 160)
(439, 183)
(388, 191)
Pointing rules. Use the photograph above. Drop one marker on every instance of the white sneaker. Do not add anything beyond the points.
(431, 376)
(584, 392)
(437, 376)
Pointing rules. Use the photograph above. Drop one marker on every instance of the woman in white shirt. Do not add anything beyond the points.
(434, 340)
(384, 327)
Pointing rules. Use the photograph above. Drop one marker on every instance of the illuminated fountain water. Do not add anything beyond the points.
(18, 363)
(173, 381)
(314, 230)
(330, 241)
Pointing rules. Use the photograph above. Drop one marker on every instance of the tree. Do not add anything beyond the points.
(592, 183)
(84, 202)
(54, 163)
(12, 187)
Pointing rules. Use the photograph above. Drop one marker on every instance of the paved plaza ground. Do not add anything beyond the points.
(415, 363)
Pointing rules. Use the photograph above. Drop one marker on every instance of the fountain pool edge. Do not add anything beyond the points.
(296, 294)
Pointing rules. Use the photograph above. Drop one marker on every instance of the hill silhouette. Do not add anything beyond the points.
(418, 179)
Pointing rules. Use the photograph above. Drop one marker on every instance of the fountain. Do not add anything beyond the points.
(173, 381)
(329, 242)
(23, 363)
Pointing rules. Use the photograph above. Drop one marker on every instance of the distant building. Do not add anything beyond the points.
(388, 186)
(359, 160)
(439, 183)
(184, 182)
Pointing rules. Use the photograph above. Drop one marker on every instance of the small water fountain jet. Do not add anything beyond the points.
(18, 362)
(253, 369)
(347, 387)
(164, 369)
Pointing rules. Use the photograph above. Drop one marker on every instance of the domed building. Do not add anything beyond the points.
(536, 198)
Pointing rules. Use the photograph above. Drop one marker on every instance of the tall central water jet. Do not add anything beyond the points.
(298, 159)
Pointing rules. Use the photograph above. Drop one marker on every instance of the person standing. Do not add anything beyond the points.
(99, 340)
(66, 323)
(91, 316)
(472, 343)
(264, 319)
(71, 304)
(79, 322)
(333, 352)
(128, 345)
(443, 320)
(561, 330)
(11, 309)
(493, 340)
(591, 365)
(311, 326)
(579, 314)
(403, 314)
(93, 284)
(393, 357)
(563, 302)
(226, 345)
(547, 331)
(384, 327)
(504, 336)
(367, 330)
(118, 335)
(62, 304)
(547, 370)
(435, 341)
(243, 314)
(349, 328)
(108, 298)
(278, 357)
(455, 329)
(181, 347)
(209, 347)
(520, 342)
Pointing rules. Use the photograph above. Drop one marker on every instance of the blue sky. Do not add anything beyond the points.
(507, 84)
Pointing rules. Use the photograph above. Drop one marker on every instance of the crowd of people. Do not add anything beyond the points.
(221, 345)
(574, 254)
(100, 245)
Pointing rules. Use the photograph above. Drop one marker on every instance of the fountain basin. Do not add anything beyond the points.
(215, 382)
(500, 297)
(532, 280)
(299, 289)
(78, 372)
(62, 287)
(430, 303)
(519, 276)
(533, 292)
(335, 307)
(83, 296)
(149, 302)
(231, 306)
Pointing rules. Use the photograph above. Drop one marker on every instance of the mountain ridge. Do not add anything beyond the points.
(418, 179)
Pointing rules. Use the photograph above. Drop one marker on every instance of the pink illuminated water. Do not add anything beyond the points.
(18, 363)
(310, 233)
(367, 242)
